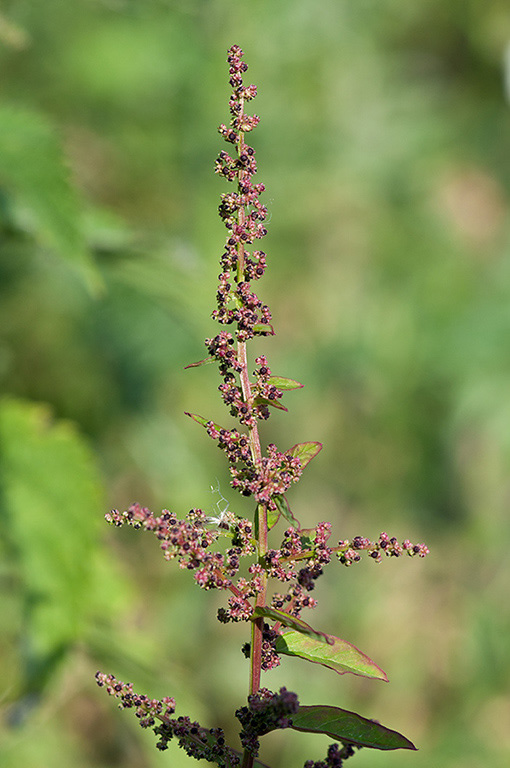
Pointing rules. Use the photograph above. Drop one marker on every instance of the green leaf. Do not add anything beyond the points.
(338, 655)
(273, 515)
(305, 452)
(282, 382)
(52, 497)
(290, 621)
(33, 170)
(201, 420)
(348, 727)
(284, 509)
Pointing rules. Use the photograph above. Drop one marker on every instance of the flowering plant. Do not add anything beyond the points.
(297, 562)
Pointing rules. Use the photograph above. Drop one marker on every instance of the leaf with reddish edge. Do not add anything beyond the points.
(201, 420)
(305, 452)
(205, 361)
(338, 655)
(348, 727)
(282, 382)
(291, 621)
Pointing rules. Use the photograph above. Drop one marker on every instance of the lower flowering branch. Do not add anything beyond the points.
(198, 742)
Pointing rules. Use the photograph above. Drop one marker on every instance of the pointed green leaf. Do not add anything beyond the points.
(348, 727)
(282, 382)
(338, 655)
(201, 420)
(305, 452)
(284, 509)
(290, 621)
(273, 515)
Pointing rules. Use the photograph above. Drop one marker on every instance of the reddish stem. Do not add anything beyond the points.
(256, 452)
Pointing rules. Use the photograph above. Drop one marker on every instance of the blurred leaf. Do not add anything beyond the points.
(291, 621)
(282, 382)
(338, 655)
(348, 727)
(305, 452)
(51, 494)
(33, 169)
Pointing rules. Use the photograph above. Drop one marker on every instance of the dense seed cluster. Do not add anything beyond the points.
(265, 712)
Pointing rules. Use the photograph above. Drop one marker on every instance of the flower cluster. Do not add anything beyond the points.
(265, 712)
(189, 541)
(282, 565)
(146, 710)
(348, 552)
(277, 471)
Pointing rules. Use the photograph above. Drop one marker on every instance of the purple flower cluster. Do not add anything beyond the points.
(146, 710)
(189, 541)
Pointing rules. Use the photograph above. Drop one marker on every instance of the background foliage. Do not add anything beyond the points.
(384, 147)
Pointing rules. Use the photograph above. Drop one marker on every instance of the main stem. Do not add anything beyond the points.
(257, 626)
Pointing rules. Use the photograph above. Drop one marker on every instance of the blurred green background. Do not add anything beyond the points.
(384, 146)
